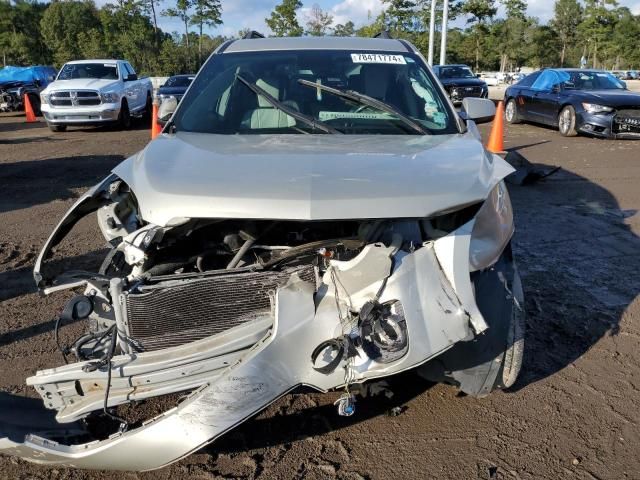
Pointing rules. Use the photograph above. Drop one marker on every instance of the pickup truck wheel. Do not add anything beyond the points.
(58, 128)
(148, 109)
(124, 119)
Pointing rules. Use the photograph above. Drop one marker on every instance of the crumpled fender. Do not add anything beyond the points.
(88, 203)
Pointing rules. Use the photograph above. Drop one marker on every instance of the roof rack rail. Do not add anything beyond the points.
(383, 34)
(252, 34)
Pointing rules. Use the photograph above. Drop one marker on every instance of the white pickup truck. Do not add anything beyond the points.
(92, 92)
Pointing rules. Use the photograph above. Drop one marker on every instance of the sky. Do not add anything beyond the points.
(239, 14)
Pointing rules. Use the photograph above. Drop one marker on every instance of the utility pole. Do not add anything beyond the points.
(432, 31)
(443, 43)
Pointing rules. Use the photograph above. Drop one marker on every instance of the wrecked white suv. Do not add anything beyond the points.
(315, 213)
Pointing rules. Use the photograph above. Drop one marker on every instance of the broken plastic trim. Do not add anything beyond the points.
(88, 203)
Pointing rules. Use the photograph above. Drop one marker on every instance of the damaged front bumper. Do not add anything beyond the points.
(174, 338)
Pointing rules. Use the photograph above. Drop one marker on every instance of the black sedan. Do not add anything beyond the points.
(575, 101)
(175, 86)
(460, 82)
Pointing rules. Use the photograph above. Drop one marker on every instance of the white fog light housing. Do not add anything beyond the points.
(110, 97)
(595, 108)
(492, 230)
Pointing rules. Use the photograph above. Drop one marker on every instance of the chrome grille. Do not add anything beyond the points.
(75, 98)
(627, 122)
(168, 315)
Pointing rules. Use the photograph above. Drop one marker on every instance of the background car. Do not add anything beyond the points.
(16, 82)
(490, 78)
(588, 101)
(460, 82)
(175, 86)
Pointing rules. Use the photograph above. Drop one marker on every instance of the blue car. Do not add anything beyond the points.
(16, 82)
(175, 86)
(591, 102)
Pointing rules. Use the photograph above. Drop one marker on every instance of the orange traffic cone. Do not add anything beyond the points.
(156, 129)
(496, 138)
(28, 109)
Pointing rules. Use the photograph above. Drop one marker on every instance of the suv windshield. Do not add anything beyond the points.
(179, 81)
(104, 71)
(455, 72)
(585, 80)
(222, 100)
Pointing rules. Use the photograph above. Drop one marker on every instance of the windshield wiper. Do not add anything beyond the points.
(369, 101)
(310, 121)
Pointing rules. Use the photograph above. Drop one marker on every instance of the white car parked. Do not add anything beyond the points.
(90, 92)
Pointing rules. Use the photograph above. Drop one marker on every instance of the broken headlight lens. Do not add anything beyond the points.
(492, 230)
(383, 328)
(594, 108)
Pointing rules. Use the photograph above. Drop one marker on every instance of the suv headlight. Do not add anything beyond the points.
(492, 230)
(109, 97)
(594, 108)
(44, 98)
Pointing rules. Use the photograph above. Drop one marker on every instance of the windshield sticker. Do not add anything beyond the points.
(378, 58)
(109, 65)
(324, 116)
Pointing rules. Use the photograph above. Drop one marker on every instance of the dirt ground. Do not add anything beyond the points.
(574, 412)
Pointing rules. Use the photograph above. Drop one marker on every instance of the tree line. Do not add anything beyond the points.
(600, 32)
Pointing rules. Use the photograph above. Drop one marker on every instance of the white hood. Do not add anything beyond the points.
(308, 177)
(81, 84)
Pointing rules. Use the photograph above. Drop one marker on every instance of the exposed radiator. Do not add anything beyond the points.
(164, 316)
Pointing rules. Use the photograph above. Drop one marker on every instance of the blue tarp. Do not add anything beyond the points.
(28, 74)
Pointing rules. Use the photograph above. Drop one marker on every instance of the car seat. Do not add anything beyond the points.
(266, 116)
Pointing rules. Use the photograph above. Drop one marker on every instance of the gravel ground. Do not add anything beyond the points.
(573, 413)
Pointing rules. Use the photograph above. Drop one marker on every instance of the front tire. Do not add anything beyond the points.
(58, 128)
(511, 112)
(148, 109)
(567, 122)
(492, 360)
(124, 118)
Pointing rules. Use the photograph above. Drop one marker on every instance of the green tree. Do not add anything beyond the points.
(318, 21)
(182, 11)
(283, 21)
(62, 24)
(567, 17)
(510, 35)
(597, 26)
(479, 11)
(346, 30)
(206, 12)
(20, 39)
(127, 33)
(401, 16)
(544, 47)
(150, 7)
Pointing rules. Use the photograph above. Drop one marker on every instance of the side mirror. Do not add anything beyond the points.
(624, 84)
(478, 75)
(556, 89)
(480, 110)
(131, 77)
(166, 109)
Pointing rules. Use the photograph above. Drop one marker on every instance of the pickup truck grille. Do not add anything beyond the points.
(75, 98)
